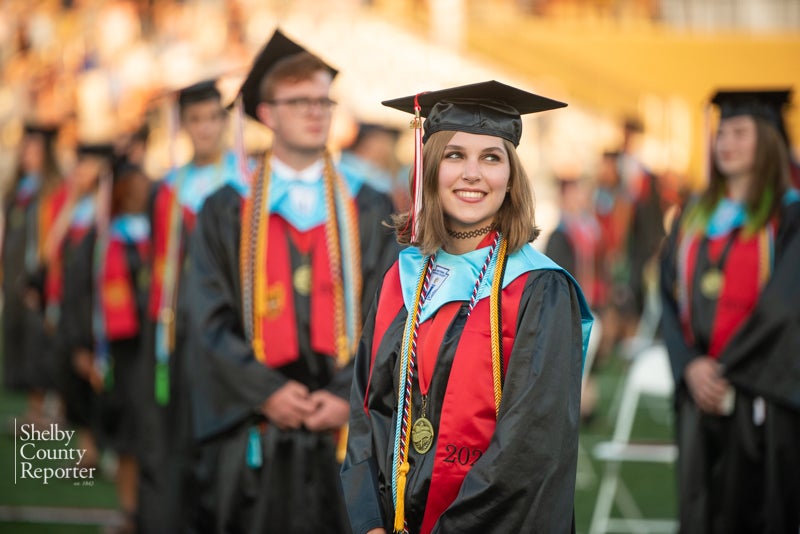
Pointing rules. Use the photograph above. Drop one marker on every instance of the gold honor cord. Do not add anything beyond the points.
(353, 280)
(495, 322)
(247, 247)
(765, 246)
(335, 259)
(252, 253)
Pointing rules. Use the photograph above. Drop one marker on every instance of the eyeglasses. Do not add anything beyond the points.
(304, 104)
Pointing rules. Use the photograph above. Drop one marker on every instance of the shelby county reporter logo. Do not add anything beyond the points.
(47, 453)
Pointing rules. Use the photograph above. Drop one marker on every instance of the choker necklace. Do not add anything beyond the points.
(472, 233)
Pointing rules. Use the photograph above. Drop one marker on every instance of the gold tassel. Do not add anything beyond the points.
(400, 507)
(341, 446)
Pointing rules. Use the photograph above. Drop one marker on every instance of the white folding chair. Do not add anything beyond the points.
(649, 374)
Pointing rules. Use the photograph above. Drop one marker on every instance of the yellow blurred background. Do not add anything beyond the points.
(103, 64)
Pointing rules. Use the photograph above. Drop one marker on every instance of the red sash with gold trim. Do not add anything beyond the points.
(51, 206)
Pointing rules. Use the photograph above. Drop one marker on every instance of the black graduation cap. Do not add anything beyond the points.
(48, 131)
(765, 104)
(101, 150)
(367, 129)
(198, 92)
(277, 48)
(488, 108)
(122, 169)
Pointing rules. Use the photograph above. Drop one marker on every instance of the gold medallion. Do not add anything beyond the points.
(302, 279)
(711, 283)
(422, 435)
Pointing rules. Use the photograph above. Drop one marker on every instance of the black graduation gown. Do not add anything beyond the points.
(165, 441)
(27, 362)
(525, 479)
(79, 399)
(763, 359)
(297, 487)
(114, 415)
(736, 476)
(645, 237)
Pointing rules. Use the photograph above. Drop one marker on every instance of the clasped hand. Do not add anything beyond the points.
(293, 406)
(706, 385)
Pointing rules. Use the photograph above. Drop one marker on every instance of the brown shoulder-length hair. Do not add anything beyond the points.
(770, 181)
(515, 218)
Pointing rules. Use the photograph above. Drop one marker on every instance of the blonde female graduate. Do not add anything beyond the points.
(466, 393)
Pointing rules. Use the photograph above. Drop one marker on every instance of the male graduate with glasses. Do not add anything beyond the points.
(283, 268)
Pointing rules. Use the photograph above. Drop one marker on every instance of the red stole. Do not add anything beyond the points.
(468, 420)
(51, 206)
(162, 207)
(279, 325)
(740, 292)
(117, 293)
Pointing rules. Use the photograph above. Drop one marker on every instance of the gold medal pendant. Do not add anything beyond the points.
(301, 279)
(711, 283)
(422, 435)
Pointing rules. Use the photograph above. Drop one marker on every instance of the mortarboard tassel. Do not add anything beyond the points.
(238, 139)
(416, 201)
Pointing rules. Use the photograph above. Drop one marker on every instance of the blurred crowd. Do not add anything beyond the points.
(611, 226)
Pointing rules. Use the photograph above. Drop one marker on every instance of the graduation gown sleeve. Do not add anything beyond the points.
(229, 384)
(525, 480)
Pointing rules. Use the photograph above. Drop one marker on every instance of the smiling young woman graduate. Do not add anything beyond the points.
(465, 400)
